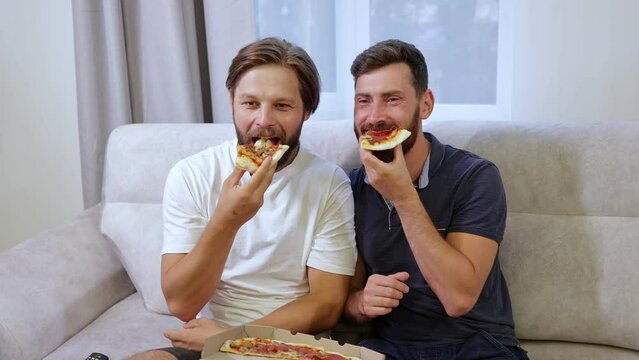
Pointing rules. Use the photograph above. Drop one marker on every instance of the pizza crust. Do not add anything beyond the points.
(279, 153)
(226, 347)
(386, 144)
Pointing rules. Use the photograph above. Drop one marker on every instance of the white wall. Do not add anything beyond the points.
(39, 152)
(576, 60)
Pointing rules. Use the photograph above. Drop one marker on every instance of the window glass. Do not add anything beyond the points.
(458, 39)
(467, 45)
(307, 23)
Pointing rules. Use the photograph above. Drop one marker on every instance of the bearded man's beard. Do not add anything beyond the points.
(388, 155)
(294, 147)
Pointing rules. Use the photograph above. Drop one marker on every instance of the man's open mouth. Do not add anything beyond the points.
(274, 140)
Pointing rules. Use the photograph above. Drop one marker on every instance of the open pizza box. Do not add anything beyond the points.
(212, 344)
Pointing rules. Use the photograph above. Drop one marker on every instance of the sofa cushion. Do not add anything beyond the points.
(567, 284)
(558, 350)
(55, 284)
(139, 157)
(123, 330)
(136, 231)
(556, 168)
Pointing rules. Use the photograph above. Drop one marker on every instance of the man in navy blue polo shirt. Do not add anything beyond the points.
(429, 219)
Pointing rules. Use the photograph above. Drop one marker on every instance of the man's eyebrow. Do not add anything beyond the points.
(285, 99)
(251, 96)
(245, 96)
(392, 93)
(384, 94)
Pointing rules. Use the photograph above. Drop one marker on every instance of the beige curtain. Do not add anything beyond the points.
(151, 61)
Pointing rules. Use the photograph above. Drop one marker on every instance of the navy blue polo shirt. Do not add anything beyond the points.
(463, 193)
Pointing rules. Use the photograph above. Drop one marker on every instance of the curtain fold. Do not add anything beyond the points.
(137, 61)
(230, 24)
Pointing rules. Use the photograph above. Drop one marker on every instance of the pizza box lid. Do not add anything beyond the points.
(212, 344)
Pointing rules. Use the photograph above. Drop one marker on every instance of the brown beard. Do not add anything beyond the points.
(387, 155)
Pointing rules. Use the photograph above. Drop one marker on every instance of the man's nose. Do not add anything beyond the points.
(265, 117)
(378, 112)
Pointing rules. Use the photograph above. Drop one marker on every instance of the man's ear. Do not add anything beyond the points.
(231, 94)
(426, 102)
(307, 115)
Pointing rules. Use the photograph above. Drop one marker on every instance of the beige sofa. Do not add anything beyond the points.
(570, 254)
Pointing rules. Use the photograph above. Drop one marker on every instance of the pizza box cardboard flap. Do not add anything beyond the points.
(212, 344)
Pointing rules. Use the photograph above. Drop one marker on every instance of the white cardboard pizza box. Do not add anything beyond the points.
(212, 344)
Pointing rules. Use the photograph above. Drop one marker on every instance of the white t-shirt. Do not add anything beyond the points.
(306, 220)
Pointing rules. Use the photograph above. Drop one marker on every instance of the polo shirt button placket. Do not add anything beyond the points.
(391, 212)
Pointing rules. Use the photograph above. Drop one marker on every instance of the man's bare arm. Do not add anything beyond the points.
(457, 267)
(189, 280)
(315, 312)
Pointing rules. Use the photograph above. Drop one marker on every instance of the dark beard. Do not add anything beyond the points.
(388, 155)
(294, 147)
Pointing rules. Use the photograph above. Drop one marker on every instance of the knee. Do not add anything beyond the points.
(152, 355)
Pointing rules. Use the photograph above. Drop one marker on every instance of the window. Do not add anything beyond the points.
(467, 45)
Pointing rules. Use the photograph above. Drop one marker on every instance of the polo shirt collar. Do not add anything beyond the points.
(435, 156)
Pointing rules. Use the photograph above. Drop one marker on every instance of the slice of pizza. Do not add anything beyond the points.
(280, 350)
(383, 139)
(250, 157)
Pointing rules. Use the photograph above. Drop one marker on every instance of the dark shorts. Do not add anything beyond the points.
(479, 346)
(182, 353)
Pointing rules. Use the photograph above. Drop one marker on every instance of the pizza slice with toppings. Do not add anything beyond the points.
(280, 350)
(383, 139)
(250, 157)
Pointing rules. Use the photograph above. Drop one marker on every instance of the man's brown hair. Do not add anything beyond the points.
(274, 50)
(390, 52)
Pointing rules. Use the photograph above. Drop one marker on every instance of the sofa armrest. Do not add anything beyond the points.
(55, 284)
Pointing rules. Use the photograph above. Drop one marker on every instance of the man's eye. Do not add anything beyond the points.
(249, 103)
(283, 106)
(393, 99)
(362, 101)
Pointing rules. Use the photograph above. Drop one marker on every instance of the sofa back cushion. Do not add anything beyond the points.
(138, 159)
(571, 247)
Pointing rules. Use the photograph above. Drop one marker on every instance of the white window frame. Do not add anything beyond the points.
(338, 104)
(352, 37)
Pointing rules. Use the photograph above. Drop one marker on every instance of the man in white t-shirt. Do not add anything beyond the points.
(273, 248)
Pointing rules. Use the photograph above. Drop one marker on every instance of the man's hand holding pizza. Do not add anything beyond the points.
(237, 203)
(392, 180)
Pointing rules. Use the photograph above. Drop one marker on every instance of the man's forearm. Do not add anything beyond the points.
(448, 271)
(352, 308)
(190, 282)
(309, 314)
